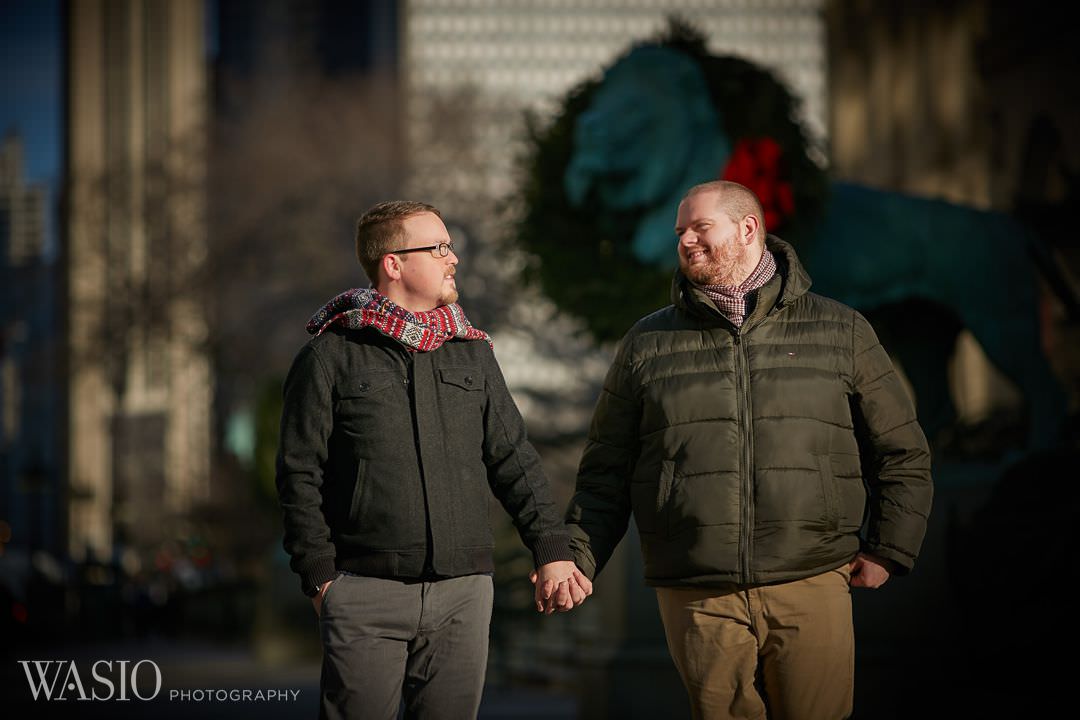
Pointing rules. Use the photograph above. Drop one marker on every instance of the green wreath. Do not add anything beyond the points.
(582, 255)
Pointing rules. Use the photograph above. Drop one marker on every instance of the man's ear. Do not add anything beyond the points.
(748, 229)
(391, 266)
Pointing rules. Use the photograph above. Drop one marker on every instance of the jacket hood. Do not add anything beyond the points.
(794, 278)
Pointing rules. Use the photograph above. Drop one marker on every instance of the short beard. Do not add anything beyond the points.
(710, 272)
(722, 266)
(700, 275)
(451, 296)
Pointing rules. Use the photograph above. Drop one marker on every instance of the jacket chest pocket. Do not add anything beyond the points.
(369, 404)
(461, 397)
(464, 379)
(369, 389)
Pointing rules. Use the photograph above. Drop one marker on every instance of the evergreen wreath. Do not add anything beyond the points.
(581, 255)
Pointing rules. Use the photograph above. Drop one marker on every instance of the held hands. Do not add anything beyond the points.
(559, 586)
(870, 571)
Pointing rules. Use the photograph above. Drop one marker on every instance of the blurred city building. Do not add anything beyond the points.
(29, 500)
(138, 382)
(23, 207)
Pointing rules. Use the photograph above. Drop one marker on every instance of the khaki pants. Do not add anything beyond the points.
(785, 651)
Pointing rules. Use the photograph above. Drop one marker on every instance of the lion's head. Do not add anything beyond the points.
(650, 133)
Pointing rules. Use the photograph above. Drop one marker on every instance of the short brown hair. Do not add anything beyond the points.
(378, 231)
(737, 201)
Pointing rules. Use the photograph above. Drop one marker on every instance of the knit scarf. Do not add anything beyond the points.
(417, 331)
(731, 299)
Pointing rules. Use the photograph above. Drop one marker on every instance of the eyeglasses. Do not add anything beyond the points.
(440, 251)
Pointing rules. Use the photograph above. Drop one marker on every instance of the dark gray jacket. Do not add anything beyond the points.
(388, 458)
(759, 454)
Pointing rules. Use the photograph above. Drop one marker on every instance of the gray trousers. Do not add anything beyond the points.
(385, 641)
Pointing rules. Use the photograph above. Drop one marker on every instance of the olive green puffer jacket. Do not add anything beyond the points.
(752, 455)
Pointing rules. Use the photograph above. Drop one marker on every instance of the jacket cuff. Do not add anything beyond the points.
(551, 548)
(318, 572)
(903, 562)
(585, 563)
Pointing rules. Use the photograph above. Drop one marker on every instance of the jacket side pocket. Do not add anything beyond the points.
(663, 496)
(357, 494)
(829, 493)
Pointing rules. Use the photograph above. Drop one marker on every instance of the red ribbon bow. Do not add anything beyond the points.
(757, 164)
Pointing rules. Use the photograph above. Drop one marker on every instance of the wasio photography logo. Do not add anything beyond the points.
(126, 681)
(107, 680)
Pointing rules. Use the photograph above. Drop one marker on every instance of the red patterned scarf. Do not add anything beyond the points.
(417, 331)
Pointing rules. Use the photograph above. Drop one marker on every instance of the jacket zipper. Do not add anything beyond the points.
(746, 501)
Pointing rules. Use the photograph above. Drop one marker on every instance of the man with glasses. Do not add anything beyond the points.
(396, 428)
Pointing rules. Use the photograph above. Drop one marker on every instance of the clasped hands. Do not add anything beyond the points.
(560, 586)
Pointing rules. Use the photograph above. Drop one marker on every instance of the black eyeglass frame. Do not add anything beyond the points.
(443, 248)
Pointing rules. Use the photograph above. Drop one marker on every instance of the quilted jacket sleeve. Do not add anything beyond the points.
(599, 512)
(895, 456)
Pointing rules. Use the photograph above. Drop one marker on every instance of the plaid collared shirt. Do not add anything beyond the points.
(731, 300)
